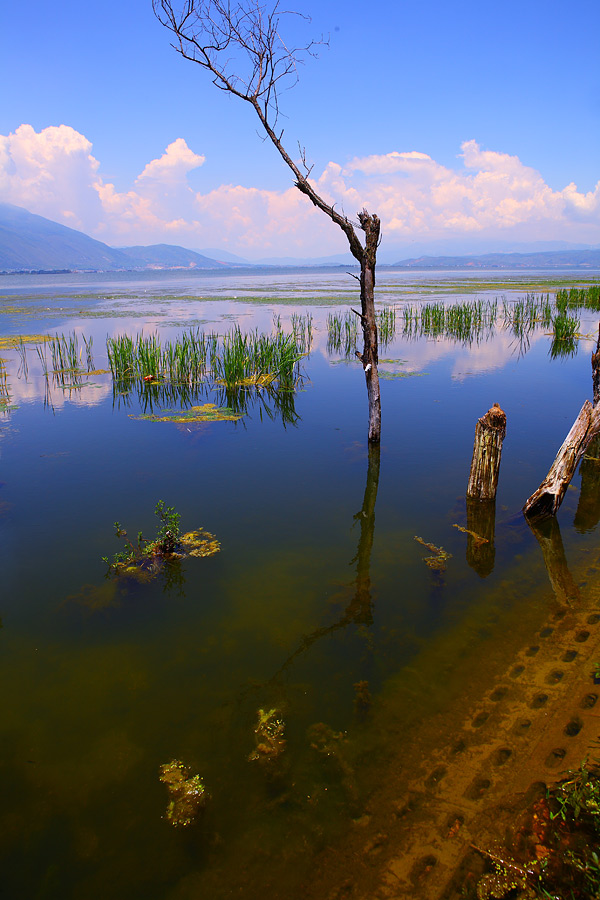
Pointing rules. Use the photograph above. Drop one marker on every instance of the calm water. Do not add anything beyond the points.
(319, 585)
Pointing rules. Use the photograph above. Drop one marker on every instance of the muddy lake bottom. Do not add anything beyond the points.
(421, 708)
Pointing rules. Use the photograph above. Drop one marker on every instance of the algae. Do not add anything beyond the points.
(208, 412)
(268, 736)
(187, 794)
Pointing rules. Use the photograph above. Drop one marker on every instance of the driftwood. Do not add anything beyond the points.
(548, 497)
(487, 450)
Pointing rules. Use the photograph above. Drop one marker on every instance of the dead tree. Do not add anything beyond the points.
(240, 45)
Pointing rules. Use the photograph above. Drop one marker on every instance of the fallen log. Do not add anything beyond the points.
(487, 450)
(548, 497)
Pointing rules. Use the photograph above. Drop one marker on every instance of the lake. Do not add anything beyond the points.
(319, 610)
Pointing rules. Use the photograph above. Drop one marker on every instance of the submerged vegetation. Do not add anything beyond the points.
(561, 856)
(187, 793)
(144, 558)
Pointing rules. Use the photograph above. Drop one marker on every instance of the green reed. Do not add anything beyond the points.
(66, 353)
(386, 325)
(342, 332)
(233, 359)
(467, 321)
(579, 298)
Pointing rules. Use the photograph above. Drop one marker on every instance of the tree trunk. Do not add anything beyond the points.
(370, 357)
(487, 450)
(548, 497)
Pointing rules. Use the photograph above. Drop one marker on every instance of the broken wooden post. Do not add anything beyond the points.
(487, 450)
(548, 497)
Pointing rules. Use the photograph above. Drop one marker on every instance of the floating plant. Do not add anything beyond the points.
(144, 559)
(437, 562)
(206, 413)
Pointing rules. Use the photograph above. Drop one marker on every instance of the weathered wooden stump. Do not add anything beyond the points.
(548, 497)
(487, 450)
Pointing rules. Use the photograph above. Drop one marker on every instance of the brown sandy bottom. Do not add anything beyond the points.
(525, 714)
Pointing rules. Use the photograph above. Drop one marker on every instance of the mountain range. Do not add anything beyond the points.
(32, 243)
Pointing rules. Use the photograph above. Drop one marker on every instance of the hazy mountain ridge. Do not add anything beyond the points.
(29, 242)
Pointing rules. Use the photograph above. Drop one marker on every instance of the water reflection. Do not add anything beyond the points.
(359, 610)
(548, 536)
(481, 531)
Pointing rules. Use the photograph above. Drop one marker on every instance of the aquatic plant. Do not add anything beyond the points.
(236, 359)
(562, 858)
(268, 735)
(208, 412)
(466, 321)
(437, 562)
(187, 793)
(579, 298)
(342, 333)
(386, 325)
(143, 558)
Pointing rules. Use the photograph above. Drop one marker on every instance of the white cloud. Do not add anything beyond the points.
(491, 195)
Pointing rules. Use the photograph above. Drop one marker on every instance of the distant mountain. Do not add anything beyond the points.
(168, 256)
(339, 259)
(552, 259)
(28, 241)
(33, 243)
(224, 256)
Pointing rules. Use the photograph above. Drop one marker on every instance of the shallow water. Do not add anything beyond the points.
(319, 585)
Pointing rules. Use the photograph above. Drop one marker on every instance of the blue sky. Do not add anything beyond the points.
(466, 126)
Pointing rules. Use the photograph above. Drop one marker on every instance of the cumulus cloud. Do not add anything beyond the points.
(491, 195)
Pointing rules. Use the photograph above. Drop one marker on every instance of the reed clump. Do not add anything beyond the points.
(235, 359)
(579, 298)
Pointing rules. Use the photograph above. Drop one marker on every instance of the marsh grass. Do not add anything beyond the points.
(579, 298)
(235, 359)
(342, 333)
(468, 321)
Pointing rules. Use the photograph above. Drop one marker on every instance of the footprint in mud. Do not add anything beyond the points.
(593, 619)
(573, 727)
(499, 694)
(522, 726)
(546, 632)
(435, 777)
(538, 701)
(477, 790)
(518, 670)
(555, 758)
(501, 756)
(588, 701)
(531, 651)
(582, 636)
(569, 655)
(480, 719)
(555, 676)
(459, 747)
